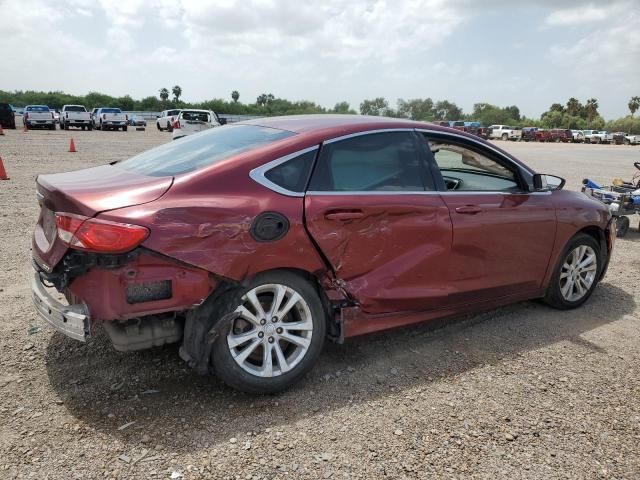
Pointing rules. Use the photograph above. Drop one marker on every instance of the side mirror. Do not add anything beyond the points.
(157, 116)
(546, 183)
(222, 121)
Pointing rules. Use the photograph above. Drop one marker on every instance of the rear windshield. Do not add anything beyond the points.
(196, 116)
(202, 149)
(37, 108)
(75, 108)
(5, 106)
(111, 110)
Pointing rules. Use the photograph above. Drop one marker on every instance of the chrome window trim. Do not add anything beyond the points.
(258, 173)
(367, 132)
(424, 192)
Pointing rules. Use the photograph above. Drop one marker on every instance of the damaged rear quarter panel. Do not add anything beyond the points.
(205, 220)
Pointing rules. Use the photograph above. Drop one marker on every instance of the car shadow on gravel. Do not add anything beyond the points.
(173, 408)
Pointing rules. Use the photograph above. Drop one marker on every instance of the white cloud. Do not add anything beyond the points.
(580, 15)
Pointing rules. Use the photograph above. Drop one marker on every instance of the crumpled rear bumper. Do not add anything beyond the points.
(72, 320)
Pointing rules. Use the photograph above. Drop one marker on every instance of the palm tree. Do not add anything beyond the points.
(235, 95)
(164, 94)
(177, 91)
(573, 107)
(634, 105)
(592, 109)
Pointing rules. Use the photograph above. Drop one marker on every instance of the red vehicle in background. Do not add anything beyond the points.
(560, 135)
(252, 243)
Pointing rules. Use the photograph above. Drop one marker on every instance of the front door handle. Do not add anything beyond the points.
(344, 215)
(469, 209)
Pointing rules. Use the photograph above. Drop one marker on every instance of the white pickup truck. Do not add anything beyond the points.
(75, 116)
(166, 119)
(630, 139)
(38, 116)
(194, 121)
(597, 136)
(504, 132)
(110, 119)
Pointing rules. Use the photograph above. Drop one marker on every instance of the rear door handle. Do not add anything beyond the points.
(469, 209)
(343, 216)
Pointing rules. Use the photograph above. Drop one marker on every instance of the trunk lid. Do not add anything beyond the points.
(87, 192)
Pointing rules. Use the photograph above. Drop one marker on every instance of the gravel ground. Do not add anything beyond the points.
(519, 392)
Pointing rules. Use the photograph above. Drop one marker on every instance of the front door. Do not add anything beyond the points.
(372, 210)
(503, 234)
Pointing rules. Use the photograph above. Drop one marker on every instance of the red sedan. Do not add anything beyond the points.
(252, 243)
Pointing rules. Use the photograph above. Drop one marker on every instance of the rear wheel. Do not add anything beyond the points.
(169, 127)
(576, 274)
(124, 129)
(276, 336)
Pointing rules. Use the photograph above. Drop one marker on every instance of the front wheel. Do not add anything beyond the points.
(505, 137)
(576, 274)
(275, 337)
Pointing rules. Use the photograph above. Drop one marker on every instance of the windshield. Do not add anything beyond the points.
(37, 108)
(75, 108)
(201, 150)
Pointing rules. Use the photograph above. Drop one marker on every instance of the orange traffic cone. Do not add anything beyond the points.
(3, 173)
(72, 146)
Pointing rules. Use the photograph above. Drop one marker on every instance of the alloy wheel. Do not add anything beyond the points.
(272, 333)
(578, 273)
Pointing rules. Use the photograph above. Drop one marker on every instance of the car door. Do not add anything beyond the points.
(371, 209)
(503, 234)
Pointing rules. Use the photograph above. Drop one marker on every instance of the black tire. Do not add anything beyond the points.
(158, 126)
(90, 127)
(169, 127)
(124, 129)
(228, 370)
(622, 226)
(553, 296)
(505, 137)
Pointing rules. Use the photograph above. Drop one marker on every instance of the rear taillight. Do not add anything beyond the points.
(101, 236)
(52, 116)
(104, 116)
(126, 117)
(66, 114)
(176, 124)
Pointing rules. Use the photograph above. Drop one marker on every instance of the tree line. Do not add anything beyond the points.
(573, 114)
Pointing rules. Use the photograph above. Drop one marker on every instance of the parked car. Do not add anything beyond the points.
(601, 136)
(38, 116)
(110, 119)
(193, 121)
(75, 116)
(577, 136)
(137, 121)
(630, 139)
(505, 132)
(7, 116)
(166, 119)
(252, 243)
(56, 116)
(560, 135)
(529, 134)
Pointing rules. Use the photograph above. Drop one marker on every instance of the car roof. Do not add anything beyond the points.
(341, 124)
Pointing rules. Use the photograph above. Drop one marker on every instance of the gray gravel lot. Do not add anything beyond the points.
(519, 392)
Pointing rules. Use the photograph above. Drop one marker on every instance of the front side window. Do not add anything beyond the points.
(373, 162)
(464, 169)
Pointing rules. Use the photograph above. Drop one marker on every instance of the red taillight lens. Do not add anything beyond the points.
(100, 236)
(177, 124)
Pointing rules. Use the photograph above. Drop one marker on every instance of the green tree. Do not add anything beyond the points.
(574, 107)
(446, 110)
(164, 95)
(378, 106)
(343, 108)
(634, 105)
(416, 109)
(591, 109)
(177, 91)
(235, 95)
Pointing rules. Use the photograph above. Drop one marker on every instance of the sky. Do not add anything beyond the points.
(529, 53)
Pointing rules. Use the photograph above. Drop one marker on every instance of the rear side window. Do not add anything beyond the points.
(375, 162)
(293, 174)
(201, 150)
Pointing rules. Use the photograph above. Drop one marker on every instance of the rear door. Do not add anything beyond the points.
(372, 210)
(503, 234)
